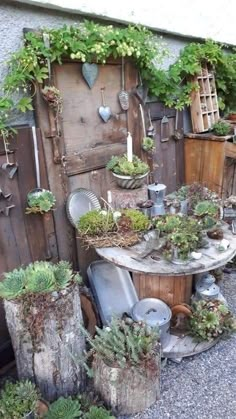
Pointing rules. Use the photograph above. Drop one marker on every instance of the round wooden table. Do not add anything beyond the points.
(165, 280)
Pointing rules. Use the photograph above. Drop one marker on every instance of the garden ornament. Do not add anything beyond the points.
(90, 73)
(104, 111)
(123, 95)
(10, 168)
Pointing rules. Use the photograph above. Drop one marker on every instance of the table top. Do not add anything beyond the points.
(129, 258)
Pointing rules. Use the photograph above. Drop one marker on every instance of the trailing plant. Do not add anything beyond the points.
(221, 128)
(90, 41)
(37, 278)
(18, 399)
(64, 408)
(210, 319)
(40, 202)
(124, 344)
(148, 144)
(139, 221)
(121, 166)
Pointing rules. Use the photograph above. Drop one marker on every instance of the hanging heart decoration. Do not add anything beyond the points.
(104, 111)
(90, 73)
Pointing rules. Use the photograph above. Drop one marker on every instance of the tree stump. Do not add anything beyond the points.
(128, 198)
(47, 340)
(127, 390)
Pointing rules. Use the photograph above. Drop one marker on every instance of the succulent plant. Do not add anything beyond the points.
(37, 278)
(40, 202)
(206, 208)
(139, 221)
(17, 400)
(210, 319)
(148, 144)
(221, 128)
(121, 166)
(64, 408)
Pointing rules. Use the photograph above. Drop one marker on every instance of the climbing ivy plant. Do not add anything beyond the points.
(89, 42)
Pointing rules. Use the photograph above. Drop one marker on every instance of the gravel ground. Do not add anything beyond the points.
(204, 386)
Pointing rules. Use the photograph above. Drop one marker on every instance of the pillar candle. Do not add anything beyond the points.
(129, 148)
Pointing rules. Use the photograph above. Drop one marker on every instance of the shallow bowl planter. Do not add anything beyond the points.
(130, 182)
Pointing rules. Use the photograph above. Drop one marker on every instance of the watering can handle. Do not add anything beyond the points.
(36, 156)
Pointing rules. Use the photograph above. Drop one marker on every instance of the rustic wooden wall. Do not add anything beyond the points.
(76, 159)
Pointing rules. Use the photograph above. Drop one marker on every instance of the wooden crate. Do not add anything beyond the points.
(210, 160)
(204, 107)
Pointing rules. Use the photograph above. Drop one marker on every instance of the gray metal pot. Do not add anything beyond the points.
(155, 313)
(130, 182)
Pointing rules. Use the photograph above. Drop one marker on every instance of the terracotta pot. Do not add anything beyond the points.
(232, 116)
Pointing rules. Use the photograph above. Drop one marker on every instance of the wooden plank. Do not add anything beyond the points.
(230, 150)
(209, 137)
(92, 159)
(181, 347)
(133, 113)
(179, 153)
(58, 184)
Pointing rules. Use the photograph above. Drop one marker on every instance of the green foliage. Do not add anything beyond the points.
(97, 413)
(183, 233)
(167, 223)
(17, 400)
(139, 221)
(148, 144)
(121, 166)
(221, 128)
(64, 409)
(53, 96)
(124, 343)
(210, 319)
(96, 222)
(40, 202)
(37, 278)
(206, 208)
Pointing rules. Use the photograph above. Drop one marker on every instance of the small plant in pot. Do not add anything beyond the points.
(208, 213)
(128, 174)
(221, 128)
(42, 306)
(126, 355)
(210, 319)
(40, 201)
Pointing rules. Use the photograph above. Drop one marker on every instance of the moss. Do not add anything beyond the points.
(139, 221)
(96, 222)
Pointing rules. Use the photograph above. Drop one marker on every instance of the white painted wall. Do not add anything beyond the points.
(197, 18)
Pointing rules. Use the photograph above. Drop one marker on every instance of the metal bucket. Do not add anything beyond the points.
(154, 312)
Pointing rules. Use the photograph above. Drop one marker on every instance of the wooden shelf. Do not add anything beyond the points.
(204, 107)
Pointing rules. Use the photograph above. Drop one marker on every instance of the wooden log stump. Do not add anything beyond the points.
(127, 390)
(47, 340)
(127, 198)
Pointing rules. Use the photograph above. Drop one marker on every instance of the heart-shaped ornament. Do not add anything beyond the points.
(105, 113)
(90, 73)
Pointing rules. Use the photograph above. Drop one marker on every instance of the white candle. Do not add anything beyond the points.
(109, 197)
(129, 148)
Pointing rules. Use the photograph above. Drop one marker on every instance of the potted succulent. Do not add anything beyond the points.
(182, 234)
(221, 128)
(210, 319)
(40, 201)
(125, 362)
(207, 212)
(42, 306)
(128, 174)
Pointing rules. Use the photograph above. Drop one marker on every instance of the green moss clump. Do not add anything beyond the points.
(221, 128)
(96, 222)
(139, 221)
